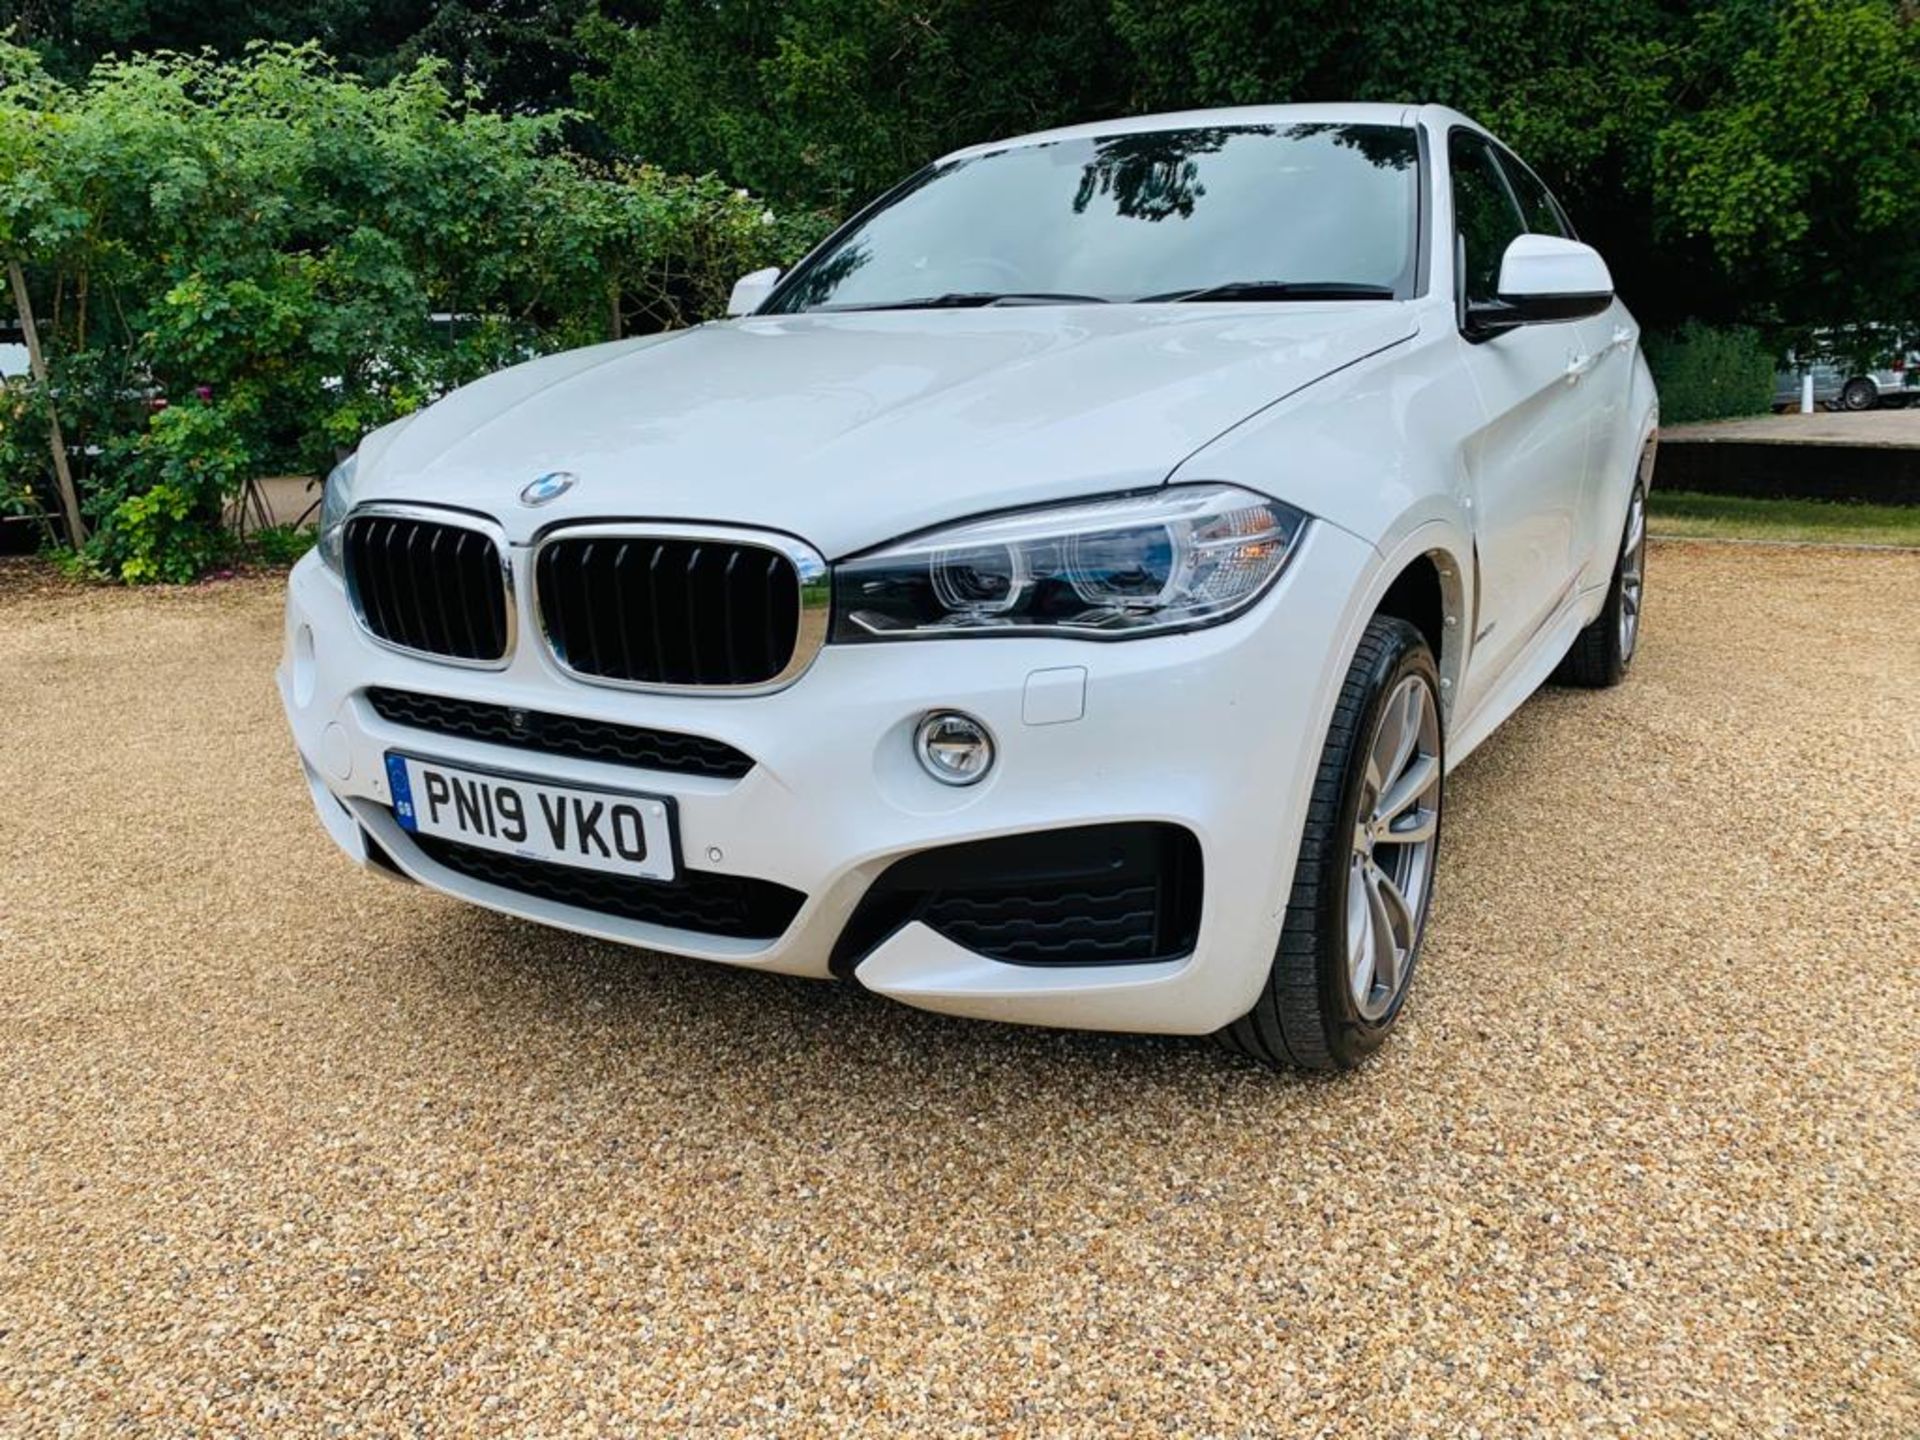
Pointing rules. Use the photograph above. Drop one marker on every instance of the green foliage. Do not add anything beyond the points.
(1804, 176)
(1750, 161)
(279, 545)
(23, 450)
(518, 54)
(279, 233)
(242, 267)
(822, 103)
(161, 510)
(162, 533)
(1710, 374)
(70, 563)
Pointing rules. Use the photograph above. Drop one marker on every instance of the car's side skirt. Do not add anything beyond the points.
(1526, 675)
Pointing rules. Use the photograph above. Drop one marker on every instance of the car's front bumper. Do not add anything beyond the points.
(1216, 730)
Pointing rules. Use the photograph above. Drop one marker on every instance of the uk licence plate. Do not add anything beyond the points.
(607, 830)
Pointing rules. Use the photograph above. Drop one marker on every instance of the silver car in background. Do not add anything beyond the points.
(1839, 385)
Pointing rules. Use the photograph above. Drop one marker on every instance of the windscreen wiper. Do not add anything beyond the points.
(975, 300)
(1275, 290)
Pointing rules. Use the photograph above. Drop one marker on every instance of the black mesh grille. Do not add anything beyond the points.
(1054, 925)
(707, 904)
(427, 585)
(1089, 895)
(562, 734)
(669, 611)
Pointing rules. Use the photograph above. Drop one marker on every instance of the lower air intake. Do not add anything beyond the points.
(698, 901)
(568, 735)
(1092, 895)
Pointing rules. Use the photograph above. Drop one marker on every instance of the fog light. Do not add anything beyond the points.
(954, 749)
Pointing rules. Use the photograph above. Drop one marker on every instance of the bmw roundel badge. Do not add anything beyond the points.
(550, 486)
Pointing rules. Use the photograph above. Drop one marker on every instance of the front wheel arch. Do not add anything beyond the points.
(1429, 579)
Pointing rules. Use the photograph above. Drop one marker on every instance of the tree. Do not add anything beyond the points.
(520, 55)
(1735, 159)
(825, 102)
(1803, 176)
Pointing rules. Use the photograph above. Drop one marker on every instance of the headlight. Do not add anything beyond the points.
(336, 498)
(1109, 569)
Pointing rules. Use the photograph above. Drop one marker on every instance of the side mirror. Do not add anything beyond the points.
(750, 291)
(1543, 279)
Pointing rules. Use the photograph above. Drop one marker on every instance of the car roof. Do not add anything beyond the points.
(1353, 112)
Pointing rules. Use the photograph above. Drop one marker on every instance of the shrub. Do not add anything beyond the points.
(279, 544)
(1709, 374)
(242, 267)
(160, 514)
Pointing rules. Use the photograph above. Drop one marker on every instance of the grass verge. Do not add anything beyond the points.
(1682, 514)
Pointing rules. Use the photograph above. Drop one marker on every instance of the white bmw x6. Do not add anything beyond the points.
(1058, 599)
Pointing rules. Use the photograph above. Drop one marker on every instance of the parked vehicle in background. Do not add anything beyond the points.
(1841, 384)
(1058, 600)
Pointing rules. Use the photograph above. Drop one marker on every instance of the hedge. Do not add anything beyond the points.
(1710, 374)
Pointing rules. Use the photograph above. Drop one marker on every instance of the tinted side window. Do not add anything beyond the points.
(1485, 221)
(1536, 203)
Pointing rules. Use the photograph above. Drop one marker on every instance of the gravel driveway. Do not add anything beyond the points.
(286, 1150)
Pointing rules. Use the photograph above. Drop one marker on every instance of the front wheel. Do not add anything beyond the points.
(1364, 877)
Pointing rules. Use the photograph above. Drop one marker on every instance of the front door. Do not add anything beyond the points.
(1527, 464)
(1608, 343)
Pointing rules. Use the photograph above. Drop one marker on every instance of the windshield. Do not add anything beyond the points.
(1279, 211)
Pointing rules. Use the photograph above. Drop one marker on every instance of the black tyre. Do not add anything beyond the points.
(1601, 653)
(1859, 393)
(1364, 877)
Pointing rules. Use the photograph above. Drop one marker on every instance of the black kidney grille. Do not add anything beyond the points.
(731, 905)
(428, 586)
(568, 735)
(657, 611)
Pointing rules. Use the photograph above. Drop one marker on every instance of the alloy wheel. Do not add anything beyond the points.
(1394, 838)
(1633, 569)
